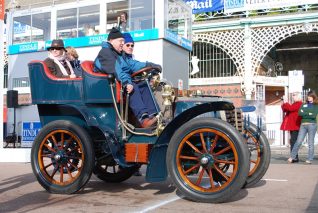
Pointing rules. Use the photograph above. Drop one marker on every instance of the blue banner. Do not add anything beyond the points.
(87, 41)
(202, 6)
(29, 132)
(176, 39)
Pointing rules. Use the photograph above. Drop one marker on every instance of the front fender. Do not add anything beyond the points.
(156, 169)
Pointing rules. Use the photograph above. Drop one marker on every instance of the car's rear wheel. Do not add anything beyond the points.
(207, 160)
(260, 154)
(62, 157)
(109, 171)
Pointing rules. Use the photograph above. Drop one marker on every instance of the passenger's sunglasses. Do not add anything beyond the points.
(56, 48)
(130, 45)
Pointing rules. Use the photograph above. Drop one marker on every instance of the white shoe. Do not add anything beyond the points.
(308, 162)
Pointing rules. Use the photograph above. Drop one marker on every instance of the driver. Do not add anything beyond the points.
(112, 59)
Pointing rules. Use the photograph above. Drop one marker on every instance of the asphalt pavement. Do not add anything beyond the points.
(284, 188)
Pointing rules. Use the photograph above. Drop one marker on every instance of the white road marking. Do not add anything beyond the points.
(161, 204)
(277, 180)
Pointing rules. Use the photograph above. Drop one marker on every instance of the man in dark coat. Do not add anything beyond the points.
(111, 59)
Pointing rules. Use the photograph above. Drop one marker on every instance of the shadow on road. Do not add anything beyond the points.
(17, 181)
(136, 183)
(313, 205)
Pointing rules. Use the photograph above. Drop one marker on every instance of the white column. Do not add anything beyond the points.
(103, 18)
(161, 15)
(248, 86)
(53, 22)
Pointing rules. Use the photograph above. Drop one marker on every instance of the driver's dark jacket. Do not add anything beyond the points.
(110, 61)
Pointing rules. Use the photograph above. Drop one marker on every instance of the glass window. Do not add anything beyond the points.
(88, 22)
(66, 23)
(179, 18)
(21, 29)
(41, 27)
(117, 16)
(141, 14)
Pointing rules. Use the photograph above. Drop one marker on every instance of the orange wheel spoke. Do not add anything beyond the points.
(55, 141)
(224, 161)
(211, 178)
(200, 177)
(223, 150)
(49, 148)
(253, 161)
(46, 155)
(189, 157)
(61, 174)
(203, 143)
(193, 147)
(48, 165)
(222, 173)
(75, 167)
(214, 143)
(69, 172)
(62, 138)
(191, 169)
(54, 171)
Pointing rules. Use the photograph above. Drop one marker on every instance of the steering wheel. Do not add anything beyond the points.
(146, 72)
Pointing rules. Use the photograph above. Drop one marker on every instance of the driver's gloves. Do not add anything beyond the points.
(155, 66)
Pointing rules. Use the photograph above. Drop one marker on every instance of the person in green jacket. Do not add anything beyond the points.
(308, 112)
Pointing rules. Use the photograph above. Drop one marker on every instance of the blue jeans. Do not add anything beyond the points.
(304, 129)
(141, 101)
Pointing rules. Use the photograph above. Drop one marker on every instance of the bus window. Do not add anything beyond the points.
(41, 27)
(88, 21)
(21, 29)
(141, 14)
(66, 23)
(114, 11)
(179, 19)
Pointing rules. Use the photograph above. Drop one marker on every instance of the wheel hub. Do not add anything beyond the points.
(60, 157)
(206, 160)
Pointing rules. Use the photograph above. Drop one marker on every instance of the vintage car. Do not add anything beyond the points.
(200, 142)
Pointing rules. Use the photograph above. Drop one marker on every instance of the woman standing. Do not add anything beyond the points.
(308, 112)
(292, 120)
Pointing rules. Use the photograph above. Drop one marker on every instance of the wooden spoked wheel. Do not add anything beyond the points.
(201, 158)
(62, 157)
(259, 152)
(207, 160)
(255, 151)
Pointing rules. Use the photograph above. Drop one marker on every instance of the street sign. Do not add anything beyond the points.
(295, 81)
(29, 131)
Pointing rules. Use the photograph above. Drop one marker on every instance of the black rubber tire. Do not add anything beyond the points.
(264, 152)
(73, 134)
(228, 132)
(119, 174)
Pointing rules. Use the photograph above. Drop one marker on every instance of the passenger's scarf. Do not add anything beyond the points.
(60, 60)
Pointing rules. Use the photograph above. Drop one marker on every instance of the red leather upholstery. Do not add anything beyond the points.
(50, 75)
(88, 66)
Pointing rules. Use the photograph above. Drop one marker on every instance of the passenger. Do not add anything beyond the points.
(123, 22)
(291, 121)
(57, 61)
(128, 47)
(72, 56)
(308, 112)
(111, 59)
